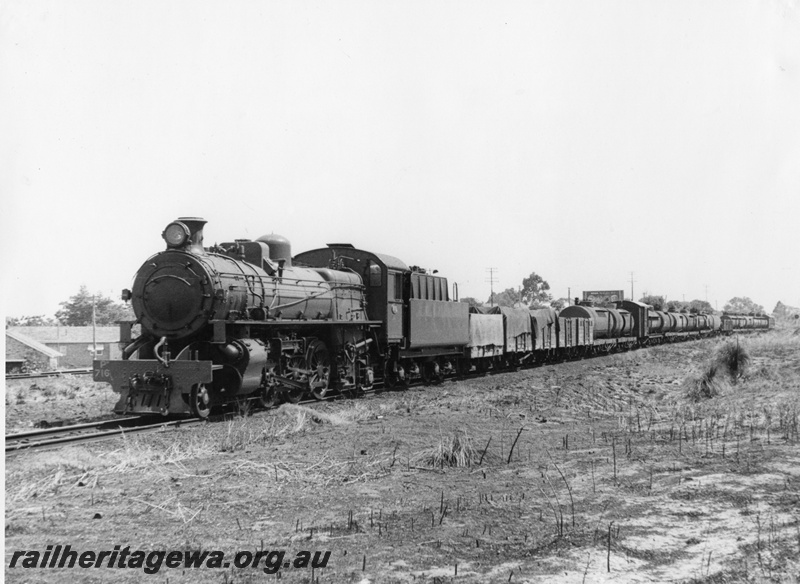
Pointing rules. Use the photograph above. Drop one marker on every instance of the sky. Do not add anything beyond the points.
(591, 142)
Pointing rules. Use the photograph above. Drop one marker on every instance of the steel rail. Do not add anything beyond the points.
(24, 445)
(10, 376)
(40, 432)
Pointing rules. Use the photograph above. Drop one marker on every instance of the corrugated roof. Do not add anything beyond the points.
(68, 334)
(33, 343)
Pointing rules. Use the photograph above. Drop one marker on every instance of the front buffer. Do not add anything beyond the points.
(147, 386)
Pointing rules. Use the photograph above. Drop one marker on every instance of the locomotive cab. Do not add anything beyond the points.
(422, 332)
(384, 279)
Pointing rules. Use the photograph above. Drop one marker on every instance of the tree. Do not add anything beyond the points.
(559, 304)
(473, 302)
(534, 291)
(701, 306)
(742, 305)
(77, 311)
(508, 297)
(657, 302)
(38, 320)
(676, 306)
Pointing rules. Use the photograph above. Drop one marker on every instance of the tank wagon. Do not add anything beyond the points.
(247, 320)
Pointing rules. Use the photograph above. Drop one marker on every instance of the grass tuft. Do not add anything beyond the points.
(733, 358)
(455, 450)
(730, 361)
(706, 384)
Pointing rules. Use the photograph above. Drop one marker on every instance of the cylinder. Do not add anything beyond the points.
(607, 322)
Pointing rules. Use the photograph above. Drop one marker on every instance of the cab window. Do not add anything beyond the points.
(394, 286)
(398, 286)
(375, 275)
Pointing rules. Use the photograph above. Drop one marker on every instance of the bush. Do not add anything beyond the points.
(733, 358)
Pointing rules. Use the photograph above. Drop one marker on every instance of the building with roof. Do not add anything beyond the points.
(784, 311)
(22, 350)
(73, 344)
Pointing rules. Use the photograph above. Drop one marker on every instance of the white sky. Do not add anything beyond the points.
(581, 140)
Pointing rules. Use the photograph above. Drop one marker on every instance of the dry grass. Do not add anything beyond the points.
(286, 421)
(783, 341)
(705, 384)
(369, 475)
(47, 389)
(456, 450)
(48, 473)
(728, 363)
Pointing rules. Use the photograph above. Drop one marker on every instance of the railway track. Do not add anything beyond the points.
(10, 376)
(53, 437)
(90, 432)
(103, 430)
(44, 438)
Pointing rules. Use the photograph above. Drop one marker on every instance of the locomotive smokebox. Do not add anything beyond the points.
(279, 248)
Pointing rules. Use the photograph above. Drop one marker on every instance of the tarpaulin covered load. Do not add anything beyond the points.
(543, 324)
(516, 326)
(517, 322)
(485, 335)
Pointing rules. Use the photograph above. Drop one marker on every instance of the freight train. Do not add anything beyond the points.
(247, 320)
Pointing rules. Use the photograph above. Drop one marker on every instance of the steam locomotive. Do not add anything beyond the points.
(247, 320)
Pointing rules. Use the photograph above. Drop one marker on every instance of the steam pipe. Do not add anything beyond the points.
(134, 346)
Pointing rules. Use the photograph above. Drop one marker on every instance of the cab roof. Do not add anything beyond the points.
(325, 254)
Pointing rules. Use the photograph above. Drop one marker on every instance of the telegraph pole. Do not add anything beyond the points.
(94, 327)
(492, 280)
(632, 281)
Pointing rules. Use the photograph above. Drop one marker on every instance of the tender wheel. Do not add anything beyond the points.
(318, 363)
(199, 401)
(425, 374)
(438, 373)
(402, 381)
(395, 377)
(431, 373)
(389, 376)
(402, 378)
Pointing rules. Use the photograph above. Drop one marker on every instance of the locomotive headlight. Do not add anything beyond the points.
(176, 234)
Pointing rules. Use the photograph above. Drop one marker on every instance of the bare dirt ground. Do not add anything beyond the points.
(598, 470)
(71, 399)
